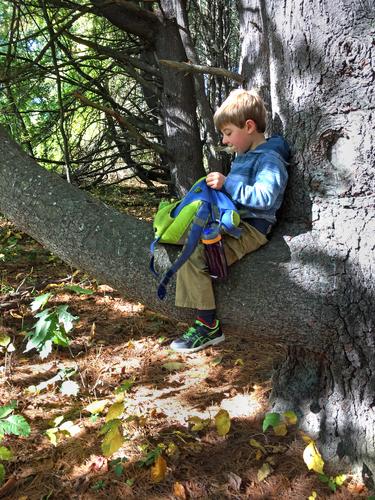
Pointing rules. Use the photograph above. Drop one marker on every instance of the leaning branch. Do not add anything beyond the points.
(197, 68)
(133, 132)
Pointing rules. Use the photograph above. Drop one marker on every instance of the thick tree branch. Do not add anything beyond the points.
(197, 68)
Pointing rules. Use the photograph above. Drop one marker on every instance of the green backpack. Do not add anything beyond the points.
(183, 222)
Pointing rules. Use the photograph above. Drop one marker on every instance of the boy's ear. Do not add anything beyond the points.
(250, 126)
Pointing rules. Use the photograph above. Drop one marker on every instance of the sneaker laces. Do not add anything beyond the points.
(189, 333)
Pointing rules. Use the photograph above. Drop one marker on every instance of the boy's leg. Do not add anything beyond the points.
(194, 290)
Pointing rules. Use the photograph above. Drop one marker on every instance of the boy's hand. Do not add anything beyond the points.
(215, 180)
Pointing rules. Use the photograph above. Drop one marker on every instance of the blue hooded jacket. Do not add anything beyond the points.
(257, 179)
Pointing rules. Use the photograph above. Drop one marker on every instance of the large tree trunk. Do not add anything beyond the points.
(159, 31)
(318, 56)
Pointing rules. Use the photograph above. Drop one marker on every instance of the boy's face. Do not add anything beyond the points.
(240, 139)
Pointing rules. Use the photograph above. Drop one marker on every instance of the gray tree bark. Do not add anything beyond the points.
(316, 57)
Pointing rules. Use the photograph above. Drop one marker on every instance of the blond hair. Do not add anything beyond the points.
(241, 105)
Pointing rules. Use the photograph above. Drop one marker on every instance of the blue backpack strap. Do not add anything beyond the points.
(152, 258)
(193, 238)
(226, 208)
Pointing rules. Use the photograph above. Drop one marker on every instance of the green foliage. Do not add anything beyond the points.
(116, 465)
(333, 482)
(10, 424)
(52, 326)
(99, 485)
(271, 420)
(151, 456)
(13, 424)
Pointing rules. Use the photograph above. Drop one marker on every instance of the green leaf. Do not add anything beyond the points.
(118, 469)
(40, 301)
(65, 317)
(79, 290)
(2, 473)
(60, 337)
(112, 441)
(115, 410)
(125, 386)
(109, 425)
(271, 419)
(15, 424)
(45, 349)
(4, 340)
(5, 453)
(7, 410)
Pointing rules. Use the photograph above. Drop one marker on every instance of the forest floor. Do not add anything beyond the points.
(159, 406)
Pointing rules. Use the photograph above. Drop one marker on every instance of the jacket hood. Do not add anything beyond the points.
(275, 144)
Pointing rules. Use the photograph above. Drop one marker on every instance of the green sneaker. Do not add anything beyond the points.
(198, 337)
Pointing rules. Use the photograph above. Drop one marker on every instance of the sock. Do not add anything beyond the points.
(207, 316)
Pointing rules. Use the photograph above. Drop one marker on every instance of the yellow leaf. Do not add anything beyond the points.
(112, 441)
(305, 437)
(179, 491)
(258, 455)
(256, 444)
(97, 406)
(172, 449)
(199, 423)
(115, 411)
(313, 495)
(222, 422)
(312, 458)
(158, 470)
(290, 418)
(264, 472)
(52, 435)
(239, 362)
(280, 429)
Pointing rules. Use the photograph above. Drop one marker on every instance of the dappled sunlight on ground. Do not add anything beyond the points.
(116, 342)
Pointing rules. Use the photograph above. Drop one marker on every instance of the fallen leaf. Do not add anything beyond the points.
(306, 437)
(71, 428)
(264, 472)
(69, 388)
(222, 422)
(96, 406)
(239, 362)
(4, 340)
(280, 429)
(234, 481)
(179, 490)
(258, 455)
(271, 419)
(198, 423)
(217, 361)
(159, 470)
(313, 458)
(173, 366)
(256, 444)
(290, 418)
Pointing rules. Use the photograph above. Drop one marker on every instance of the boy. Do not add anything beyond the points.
(256, 184)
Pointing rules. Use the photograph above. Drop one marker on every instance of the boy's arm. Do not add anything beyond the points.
(270, 180)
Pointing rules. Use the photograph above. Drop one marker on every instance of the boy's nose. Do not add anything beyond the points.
(224, 140)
